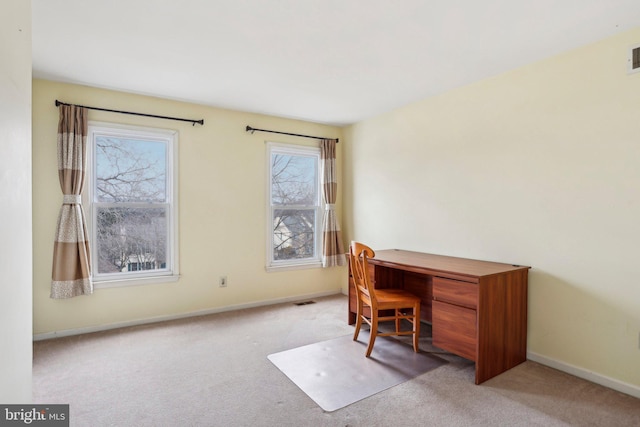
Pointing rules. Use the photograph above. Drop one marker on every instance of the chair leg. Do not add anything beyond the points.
(416, 327)
(358, 321)
(398, 313)
(372, 333)
(358, 325)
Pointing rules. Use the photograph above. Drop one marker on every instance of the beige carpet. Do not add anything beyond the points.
(335, 373)
(213, 371)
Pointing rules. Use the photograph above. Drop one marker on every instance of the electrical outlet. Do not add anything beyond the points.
(223, 281)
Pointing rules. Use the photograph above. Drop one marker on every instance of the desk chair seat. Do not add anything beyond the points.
(405, 305)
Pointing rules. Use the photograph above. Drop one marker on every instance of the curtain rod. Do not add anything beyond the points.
(252, 130)
(193, 122)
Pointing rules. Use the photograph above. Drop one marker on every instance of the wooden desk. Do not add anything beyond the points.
(478, 309)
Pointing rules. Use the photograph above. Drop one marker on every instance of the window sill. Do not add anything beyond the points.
(287, 267)
(138, 281)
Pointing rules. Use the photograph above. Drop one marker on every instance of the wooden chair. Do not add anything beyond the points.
(379, 300)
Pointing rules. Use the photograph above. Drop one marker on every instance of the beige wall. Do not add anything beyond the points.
(539, 166)
(15, 209)
(222, 214)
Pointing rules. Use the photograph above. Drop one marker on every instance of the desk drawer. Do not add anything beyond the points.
(455, 329)
(455, 292)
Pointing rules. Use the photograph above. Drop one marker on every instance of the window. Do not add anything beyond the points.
(634, 59)
(132, 210)
(294, 217)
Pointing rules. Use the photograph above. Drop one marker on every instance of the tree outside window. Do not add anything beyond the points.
(294, 205)
(132, 203)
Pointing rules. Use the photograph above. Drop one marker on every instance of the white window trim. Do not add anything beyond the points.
(133, 278)
(284, 265)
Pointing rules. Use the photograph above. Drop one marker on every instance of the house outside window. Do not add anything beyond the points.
(132, 204)
(294, 207)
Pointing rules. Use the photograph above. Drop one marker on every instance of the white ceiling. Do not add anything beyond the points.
(326, 61)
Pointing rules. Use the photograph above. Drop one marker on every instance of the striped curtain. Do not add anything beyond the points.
(71, 275)
(332, 247)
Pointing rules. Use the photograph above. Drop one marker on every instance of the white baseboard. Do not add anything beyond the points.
(585, 374)
(136, 322)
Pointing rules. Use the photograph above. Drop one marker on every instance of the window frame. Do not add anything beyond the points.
(292, 264)
(132, 278)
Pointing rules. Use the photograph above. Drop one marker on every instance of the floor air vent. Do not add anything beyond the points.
(305, 303)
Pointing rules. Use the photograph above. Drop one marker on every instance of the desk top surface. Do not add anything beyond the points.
(443, 263)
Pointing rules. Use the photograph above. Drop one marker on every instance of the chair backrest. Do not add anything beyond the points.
(358, 256)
